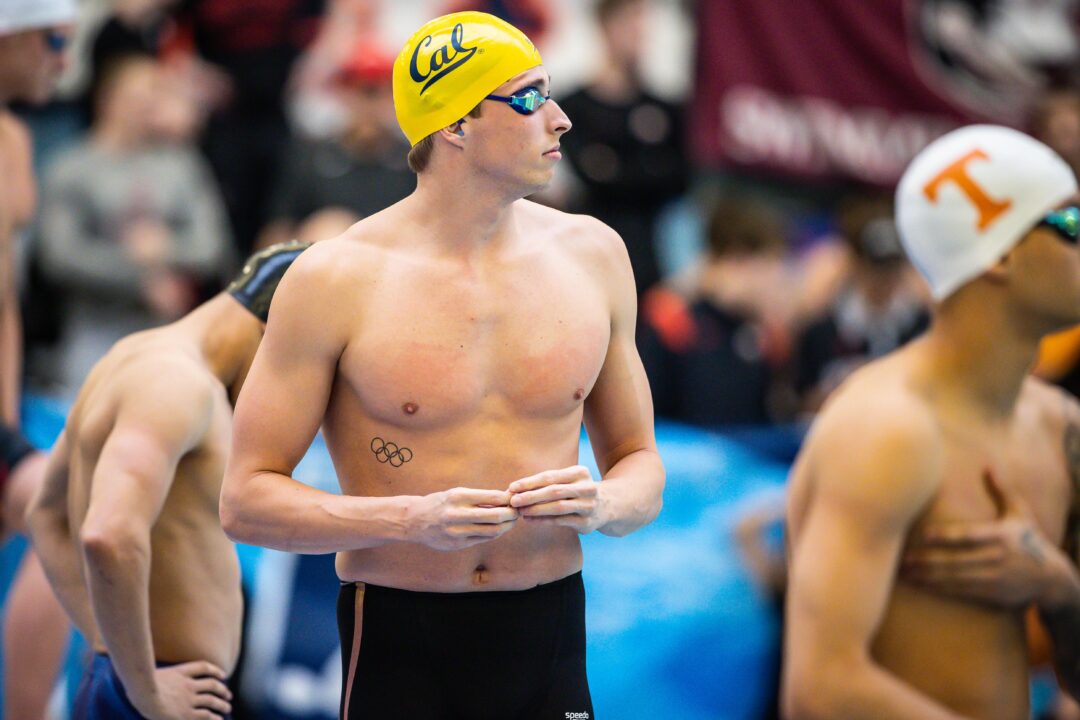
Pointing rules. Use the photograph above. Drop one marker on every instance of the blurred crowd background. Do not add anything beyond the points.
(746, 151)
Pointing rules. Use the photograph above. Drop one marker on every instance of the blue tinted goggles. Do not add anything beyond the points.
(1065, 222)
(525, 101)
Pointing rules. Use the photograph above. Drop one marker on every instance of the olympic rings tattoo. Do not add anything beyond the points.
(388, 452)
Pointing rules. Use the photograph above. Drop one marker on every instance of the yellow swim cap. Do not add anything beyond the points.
(452, 63)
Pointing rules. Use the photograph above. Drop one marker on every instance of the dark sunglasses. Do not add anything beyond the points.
(55, 40)
(1065, 222)
(525, 101)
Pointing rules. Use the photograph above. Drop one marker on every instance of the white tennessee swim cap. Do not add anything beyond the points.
(19, 15)
(969, 196)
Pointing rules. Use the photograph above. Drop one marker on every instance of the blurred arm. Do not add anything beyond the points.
(844, 564)
(132, 478)
(202, 245)
(36, 632)
(1060, 611)
(54, 543)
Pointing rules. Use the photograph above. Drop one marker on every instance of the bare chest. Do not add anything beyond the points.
(1025, 461)
(440, 349)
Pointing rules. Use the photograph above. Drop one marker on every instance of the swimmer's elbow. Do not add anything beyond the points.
(113, 543)
(819, 694)
(231, 514)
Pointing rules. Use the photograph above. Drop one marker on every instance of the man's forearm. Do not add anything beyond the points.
(58, 554)
(631, 492)
(275, 511)
(10, 359)
(118, 576)
(1060, 613)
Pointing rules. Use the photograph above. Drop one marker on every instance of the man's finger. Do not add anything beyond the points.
(490, 516)
(202, 668)
(570, 474)
(475, 496)
(958, 534)
(213, 702)
(553, 492)
(1005, 502)
(213, 687)
(557, 507)
(980, 555)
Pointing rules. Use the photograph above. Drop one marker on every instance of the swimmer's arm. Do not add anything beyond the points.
(10, 335)
(277, 415)
(132, 478)
(870, 485)
(1060, 611)
(619, 412)
(50, 531)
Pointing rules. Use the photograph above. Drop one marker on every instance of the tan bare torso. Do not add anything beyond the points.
(195, 599)
(480, 367)
(971, 658)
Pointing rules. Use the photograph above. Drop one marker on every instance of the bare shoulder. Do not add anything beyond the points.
(1051, 408)
(877, 437)
(154, 392)
(161, 382)
(582, 234)
(597, 250)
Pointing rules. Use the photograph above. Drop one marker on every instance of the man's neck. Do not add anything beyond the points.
(983, 354)
(220, 330)
(463, 214)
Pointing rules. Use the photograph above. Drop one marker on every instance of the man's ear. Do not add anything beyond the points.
(454, 134)
(1000, 271)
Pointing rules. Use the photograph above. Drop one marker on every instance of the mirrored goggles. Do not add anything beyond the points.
(1065, 222)
(525, 101)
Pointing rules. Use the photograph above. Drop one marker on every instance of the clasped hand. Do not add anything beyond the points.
(462, 517)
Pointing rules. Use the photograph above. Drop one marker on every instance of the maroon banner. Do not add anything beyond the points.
(853, 89)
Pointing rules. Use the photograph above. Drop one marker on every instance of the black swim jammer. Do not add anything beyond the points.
(475, 655)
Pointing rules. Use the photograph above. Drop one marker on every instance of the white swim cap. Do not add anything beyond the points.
(970, 196)
(19, 15)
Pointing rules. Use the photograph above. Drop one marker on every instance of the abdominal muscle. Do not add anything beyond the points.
(481, 454)
(971, 659)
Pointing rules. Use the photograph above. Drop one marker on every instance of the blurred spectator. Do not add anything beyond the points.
(713, 357)
(314, 105)
(876, 311)
(532, 17)
(626, 145)
(361, 171)
(133, 27)
(759, 534)
(1056, 121)
(131, 228)
(254, 46)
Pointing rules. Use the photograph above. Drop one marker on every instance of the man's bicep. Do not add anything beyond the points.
(871, 483)
(842, 573)
(619, 409)
(286, 392)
